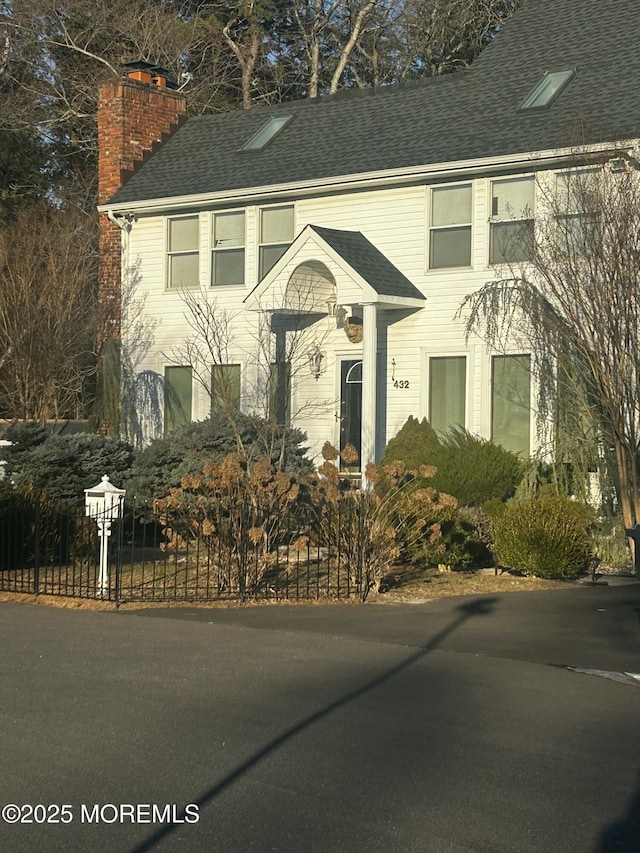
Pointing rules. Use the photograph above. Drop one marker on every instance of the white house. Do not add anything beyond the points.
(383, 208)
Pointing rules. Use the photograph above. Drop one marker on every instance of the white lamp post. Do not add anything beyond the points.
(103, 503)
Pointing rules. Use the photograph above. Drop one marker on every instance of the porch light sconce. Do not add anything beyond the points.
(316, 357)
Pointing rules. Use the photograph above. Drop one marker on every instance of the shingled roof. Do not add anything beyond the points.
(469, 116)
(369, 262)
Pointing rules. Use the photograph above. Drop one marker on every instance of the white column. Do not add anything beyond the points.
(369, 356)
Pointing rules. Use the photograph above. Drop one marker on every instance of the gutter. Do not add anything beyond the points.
(367, 180)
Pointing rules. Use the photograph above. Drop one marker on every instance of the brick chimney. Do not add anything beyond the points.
(135, 114)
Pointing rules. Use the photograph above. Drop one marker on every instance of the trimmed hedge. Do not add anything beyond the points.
(547, 537)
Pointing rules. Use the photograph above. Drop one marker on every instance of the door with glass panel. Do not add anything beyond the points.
(351, 404)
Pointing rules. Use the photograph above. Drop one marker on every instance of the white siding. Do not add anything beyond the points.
(396, 222)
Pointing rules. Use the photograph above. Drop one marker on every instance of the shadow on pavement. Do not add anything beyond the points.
(478, 607)
(623, 836)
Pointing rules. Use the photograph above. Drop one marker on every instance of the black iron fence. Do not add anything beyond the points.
(310, 553)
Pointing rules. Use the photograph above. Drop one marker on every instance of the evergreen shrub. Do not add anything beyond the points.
(160, 466)
(61, 467)
(472, 469)
(547, 537)
(461, 545)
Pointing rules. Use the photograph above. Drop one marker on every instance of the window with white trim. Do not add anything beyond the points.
(178, 396)
(511, 223)
(225, 388)
(228, 241)
(276, 235)
(511, 402)
(183, 251)
(450, 227)
(577, 209)
(447, 392)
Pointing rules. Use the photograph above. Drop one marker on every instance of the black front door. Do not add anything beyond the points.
(351, 406)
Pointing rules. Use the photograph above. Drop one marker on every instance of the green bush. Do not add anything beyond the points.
(415, 444)
(470, 468)
(61, 467)
(547, 537)
(161, 466)
(431, 527)
(476, 470)
(461, 545)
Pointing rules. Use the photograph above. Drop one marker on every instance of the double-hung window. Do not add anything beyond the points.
(276, 234)
(447, 392)
(450, 227)
(577, 209)
(511, 237)
(227, 263)
(183, 251)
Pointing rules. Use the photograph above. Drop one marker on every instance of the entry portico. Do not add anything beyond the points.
(330, 272)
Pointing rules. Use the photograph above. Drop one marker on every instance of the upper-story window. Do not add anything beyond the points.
(266, 134)
(276, 234)
(576, 207)
(227, 264)
(183, 255)
(450, 227)
(511, 238)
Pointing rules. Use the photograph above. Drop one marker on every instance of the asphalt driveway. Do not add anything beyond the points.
(459, 725)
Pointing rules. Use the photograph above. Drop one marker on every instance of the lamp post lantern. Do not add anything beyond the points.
(103, 503)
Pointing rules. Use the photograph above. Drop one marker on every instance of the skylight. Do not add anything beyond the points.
(548, 89)
(266, 133)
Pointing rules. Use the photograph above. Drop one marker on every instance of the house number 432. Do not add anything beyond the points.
(400, 383)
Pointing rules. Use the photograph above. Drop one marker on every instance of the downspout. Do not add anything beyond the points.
(124, 221)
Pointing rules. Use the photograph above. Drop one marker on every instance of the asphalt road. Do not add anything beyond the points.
(451, 726)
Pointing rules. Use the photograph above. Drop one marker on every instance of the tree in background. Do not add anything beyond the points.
(237, 53)
(55, 55)
(47, 313)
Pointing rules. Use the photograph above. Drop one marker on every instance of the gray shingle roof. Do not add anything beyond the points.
(369, 262)
(474, 114)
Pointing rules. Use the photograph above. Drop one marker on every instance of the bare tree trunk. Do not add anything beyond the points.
(247, 56)
(345, 53)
